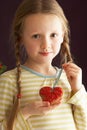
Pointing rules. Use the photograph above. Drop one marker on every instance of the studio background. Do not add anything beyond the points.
(76, 13)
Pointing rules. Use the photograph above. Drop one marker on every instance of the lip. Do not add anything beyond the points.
(45, 53)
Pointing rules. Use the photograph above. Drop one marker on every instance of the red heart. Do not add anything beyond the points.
(51, 94)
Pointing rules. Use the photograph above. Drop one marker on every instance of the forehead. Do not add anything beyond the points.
(42, 22)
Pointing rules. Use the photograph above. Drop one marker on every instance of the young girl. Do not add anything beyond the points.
(40, 33)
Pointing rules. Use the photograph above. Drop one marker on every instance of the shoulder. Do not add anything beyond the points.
(8, 77)
(8, 81)
(9, 73)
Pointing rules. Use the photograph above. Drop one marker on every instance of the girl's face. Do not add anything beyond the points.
(42, 37)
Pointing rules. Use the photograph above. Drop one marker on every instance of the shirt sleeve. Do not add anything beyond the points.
(7, 92)
(79, 101)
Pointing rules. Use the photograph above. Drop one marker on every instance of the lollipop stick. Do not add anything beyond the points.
(58, 77)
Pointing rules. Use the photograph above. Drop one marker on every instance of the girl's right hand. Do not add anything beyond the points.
(37, 108)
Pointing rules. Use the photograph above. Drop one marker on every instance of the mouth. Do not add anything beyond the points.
(45, 53)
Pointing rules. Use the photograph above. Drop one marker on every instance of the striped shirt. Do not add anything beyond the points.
(71, 114)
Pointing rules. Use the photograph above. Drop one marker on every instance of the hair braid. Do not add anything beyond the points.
(16, 104)
(65, 53)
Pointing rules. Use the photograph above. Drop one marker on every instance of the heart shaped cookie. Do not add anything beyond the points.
(53, 95)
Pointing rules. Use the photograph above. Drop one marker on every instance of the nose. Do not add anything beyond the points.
(45, 43)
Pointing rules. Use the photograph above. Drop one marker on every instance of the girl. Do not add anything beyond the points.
(40, 33)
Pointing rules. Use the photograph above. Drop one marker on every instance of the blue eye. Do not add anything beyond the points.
(36, 36)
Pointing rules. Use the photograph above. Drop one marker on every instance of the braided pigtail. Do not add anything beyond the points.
(65, 53)
(16, 104)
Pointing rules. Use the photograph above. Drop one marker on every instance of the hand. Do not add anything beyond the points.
(38, 108)
(74, 75)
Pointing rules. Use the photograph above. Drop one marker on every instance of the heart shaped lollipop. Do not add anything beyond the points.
(52, 95)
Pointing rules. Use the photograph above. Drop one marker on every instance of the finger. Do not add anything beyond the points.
(57, 101)
(55, 104)
(72, 71)
(45, 103)
(71, 74)
(41, 103)
(72, 65)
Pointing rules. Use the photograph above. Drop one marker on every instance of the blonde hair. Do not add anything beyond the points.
(28, 7)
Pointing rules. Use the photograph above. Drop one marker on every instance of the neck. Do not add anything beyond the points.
(46, 69)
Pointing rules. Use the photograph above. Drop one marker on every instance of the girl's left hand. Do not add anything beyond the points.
(74, 75)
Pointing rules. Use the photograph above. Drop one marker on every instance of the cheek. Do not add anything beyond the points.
(60, 40)
(57, 47)
(31, 48)
(58, 43)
